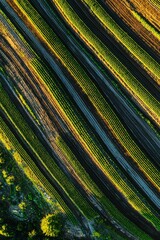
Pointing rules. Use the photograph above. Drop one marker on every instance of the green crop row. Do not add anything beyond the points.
(124, 38)
(46, 185)
(141, 94)
(156, 3)
(7, 27)
(91, 144)
(25, 104)
(115, 177)
(146, 25)
(73, 161)
(111, 210)
(88, 87)
(16, 147)
(30, 138)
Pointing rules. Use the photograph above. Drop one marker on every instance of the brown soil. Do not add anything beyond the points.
(123, 9)
(148, 10)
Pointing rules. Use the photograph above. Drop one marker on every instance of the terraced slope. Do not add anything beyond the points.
(79, 90)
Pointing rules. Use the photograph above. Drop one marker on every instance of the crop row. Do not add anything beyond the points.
(9, 31)
(149, 103)
(68, 110)
(124, 38)
(147, 9)
(92, 187)
(135, 29)
(65, 181)
(146, 25)
(25, 104)
(112, 211)
(91, 144)
(22, 154)
(88, 87)
(15, 147)
(106, 203)
(156, 3)
(49, 163)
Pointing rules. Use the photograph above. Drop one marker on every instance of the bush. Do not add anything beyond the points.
(10, 179)
(6, 231)
(22, 205)
(51, 225)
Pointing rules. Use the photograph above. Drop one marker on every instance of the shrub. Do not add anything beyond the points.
(51, 225)
(10, 179)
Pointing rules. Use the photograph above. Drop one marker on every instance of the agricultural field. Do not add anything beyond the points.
(80, 119)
